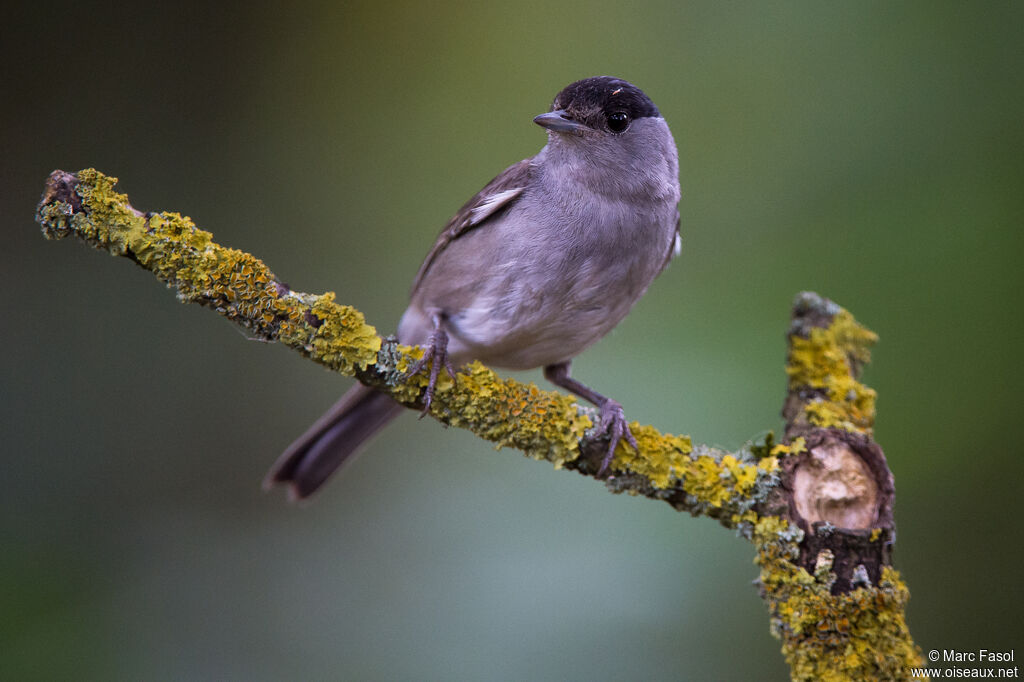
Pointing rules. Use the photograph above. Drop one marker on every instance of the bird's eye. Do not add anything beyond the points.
(618, 121)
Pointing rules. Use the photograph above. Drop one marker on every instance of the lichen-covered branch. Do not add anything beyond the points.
(543, 424)
(817, 506)
(824, 541)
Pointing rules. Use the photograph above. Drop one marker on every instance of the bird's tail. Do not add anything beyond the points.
(335, 437)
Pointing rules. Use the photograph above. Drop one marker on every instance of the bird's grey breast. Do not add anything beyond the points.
(549, 276)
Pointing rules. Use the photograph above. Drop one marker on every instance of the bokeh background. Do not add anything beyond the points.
(869, 151)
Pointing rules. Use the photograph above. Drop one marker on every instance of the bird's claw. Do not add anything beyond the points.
(435, 353)
(613, 422)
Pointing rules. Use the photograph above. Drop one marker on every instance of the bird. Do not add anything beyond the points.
(536, 267)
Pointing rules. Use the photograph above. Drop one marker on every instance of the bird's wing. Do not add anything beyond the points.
(675, 247)
(496, 195)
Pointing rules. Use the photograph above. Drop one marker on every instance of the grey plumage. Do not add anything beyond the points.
(539, 265)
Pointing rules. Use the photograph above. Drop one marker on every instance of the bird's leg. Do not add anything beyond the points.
(436, 353)
(613, 419)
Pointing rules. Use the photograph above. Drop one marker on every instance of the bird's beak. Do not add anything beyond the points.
(560, 122)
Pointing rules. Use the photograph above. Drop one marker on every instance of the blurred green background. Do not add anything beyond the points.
(869, 151)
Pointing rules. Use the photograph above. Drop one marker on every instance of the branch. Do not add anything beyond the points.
(542, 424)
(817, 507)
(824, 538)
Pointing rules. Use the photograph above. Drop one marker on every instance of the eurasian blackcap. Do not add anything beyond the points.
(536, 267)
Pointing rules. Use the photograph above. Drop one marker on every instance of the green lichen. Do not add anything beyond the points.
(858, 635)
(827, 361)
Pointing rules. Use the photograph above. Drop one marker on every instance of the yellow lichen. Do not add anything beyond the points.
(714, 480)
(109, 221)
(411, 387)
(662, 458)
(827, 361)
(235, 283)
(795, 448)
(858, 635)
(543, 424)
(343, 340)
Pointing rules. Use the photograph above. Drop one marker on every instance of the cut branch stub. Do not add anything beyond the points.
(841, 496)
(839, 486)
(832, 484)
(842, 479)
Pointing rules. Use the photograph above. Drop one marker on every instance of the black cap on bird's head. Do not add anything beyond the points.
(602, 103)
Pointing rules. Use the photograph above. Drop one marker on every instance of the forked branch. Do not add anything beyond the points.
(817, 506)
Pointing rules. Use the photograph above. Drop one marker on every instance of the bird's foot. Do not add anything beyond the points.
(435, 353)
(613, 422)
